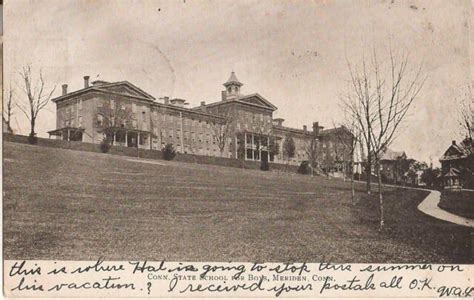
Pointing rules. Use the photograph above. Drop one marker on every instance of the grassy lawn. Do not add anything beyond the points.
(62, 204)
(460, 203)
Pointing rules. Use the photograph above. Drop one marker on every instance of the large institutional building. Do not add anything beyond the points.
(238, 126)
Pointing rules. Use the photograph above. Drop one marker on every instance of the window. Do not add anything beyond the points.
(100, 119)
(134, 123)
(80, 103)
(249, 138)
(112, 104)
(99, 103)
(80, 121)
(134, 107)
(249, 153)
(229, 89)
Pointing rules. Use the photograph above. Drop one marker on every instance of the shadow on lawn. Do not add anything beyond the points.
(404, 223)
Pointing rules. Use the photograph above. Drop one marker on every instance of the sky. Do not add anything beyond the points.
(293, 53)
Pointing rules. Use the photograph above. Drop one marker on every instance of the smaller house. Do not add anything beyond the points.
(457, 165)
(393, 165)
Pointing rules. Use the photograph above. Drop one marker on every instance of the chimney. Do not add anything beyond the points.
(167, 100)
(278, 121)
(454, 142)
(316, 128)
(86, 82)
(224, 95)
(305, 128)
(64, 89)
(203, 105)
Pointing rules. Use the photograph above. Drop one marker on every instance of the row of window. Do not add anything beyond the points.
(71, 122)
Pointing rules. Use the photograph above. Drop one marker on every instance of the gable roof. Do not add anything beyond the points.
(392, 155)
(123, 88)
(452, 172)
(128, 88)
(456, 151)
(255, 100)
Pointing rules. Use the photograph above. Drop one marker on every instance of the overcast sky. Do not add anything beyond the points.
(293, 53)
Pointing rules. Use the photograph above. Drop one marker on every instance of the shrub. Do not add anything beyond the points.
(32, 139)
(264, 166)
(105, 145)
(168, 152)
(304, 168)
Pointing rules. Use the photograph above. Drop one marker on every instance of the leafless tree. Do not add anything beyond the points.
(113, 115)
(220, 132)
(379, 98)
(349, 138)
(8, 109)
(466, 110)
(37, 96)
(311, 150)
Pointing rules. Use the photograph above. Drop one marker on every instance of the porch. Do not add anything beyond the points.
(127, 137)
(68, 133)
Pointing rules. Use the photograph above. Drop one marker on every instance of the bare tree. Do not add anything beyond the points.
(466, 110)
(8, 109)
(311, 150)
(349, 138)
(37, 96)
(379, 98)
(112, 116)
(220, 132)
(289, 148)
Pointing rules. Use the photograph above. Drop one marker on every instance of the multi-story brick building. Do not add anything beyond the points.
(237, 126)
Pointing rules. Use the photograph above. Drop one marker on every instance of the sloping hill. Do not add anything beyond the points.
(76, 205)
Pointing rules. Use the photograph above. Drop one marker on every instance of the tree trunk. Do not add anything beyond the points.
(369, 174)
(32, 133)
(352, 183)
(382, 221)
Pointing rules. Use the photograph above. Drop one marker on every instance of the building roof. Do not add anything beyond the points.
(307, 132)
(127, 89)
(392, 155)
(456, 151)
(452, 172)
(255, 100)
(233, 80)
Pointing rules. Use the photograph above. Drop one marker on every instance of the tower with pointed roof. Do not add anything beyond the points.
(232, 87)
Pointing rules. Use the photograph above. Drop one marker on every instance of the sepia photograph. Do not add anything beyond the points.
(238, 131)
